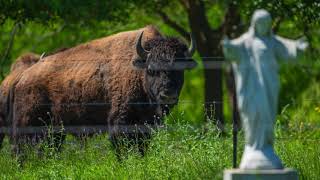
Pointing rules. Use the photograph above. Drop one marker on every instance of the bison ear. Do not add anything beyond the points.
(139, 63)
(191, 64)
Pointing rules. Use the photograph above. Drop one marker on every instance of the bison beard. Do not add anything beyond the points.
(132, 84)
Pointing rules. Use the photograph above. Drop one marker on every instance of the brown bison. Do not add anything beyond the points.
(21, 64)
(122, 82)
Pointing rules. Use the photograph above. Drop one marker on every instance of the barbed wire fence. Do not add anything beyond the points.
(101, 129)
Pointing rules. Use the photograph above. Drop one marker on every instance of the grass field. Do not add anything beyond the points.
(186, 153)
(187, 148)
(180, 151)
(191, 149)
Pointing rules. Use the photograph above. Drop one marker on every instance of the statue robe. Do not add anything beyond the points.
(255, 64)
(255, 60)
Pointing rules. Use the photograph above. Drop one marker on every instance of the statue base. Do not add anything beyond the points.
(274, 174)
(265, 158)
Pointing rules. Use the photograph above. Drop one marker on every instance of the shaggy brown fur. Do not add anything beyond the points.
(100, 71)
(20, 65)
(96, 72)
(91, 84)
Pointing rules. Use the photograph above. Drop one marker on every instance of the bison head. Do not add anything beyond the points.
(164, 61)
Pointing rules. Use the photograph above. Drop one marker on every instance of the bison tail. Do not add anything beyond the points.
(2, 124)
(10, 102)
(6, 114)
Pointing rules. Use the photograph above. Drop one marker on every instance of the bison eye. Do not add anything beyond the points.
(152, 72)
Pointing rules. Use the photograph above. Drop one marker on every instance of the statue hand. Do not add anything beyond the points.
(225, 41)
(302, 44)
(229, 49)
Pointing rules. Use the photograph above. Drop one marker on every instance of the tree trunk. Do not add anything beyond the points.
(6, 54)
(208, 42)
(232, 27)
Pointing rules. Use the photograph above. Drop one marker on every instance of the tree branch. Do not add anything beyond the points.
(174, 25)
(232, 22)
(184, 4)
(276, 24)
(6, 53)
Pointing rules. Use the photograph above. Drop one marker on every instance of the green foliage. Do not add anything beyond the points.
(176, 152)
(71, 11)
(301, 12)
(189, 148)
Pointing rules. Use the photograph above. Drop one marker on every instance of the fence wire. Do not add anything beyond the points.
(213, 62)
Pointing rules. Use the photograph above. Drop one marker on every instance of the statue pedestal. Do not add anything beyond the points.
(274, 174)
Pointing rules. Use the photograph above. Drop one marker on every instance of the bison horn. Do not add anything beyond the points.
(192, 47)
(140, 50)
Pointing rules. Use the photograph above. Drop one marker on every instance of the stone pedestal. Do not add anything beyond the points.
(272, 174)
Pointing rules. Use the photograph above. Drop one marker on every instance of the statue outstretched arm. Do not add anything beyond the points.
(232, 49)
(287, 49)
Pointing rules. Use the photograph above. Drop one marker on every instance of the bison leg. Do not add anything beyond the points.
(124, 137)
(83, 139)
(122, 142)
(19, 137)
(140, 140)
(50, 143)
(18, 147)
(2, 131)
(59, 138)
(118, 133)
(2, 135)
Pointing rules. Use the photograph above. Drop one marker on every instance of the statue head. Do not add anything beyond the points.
(261, 22)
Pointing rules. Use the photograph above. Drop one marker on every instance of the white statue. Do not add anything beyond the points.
(255, 56)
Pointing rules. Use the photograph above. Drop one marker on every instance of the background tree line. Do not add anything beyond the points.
(45, 25)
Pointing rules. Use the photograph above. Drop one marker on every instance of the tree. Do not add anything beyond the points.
(208, 45)
(193, 18)
(302, 13)
(47, 12)
(71, 11)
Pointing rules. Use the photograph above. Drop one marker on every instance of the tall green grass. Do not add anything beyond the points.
(190, 147)
(177, 152)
